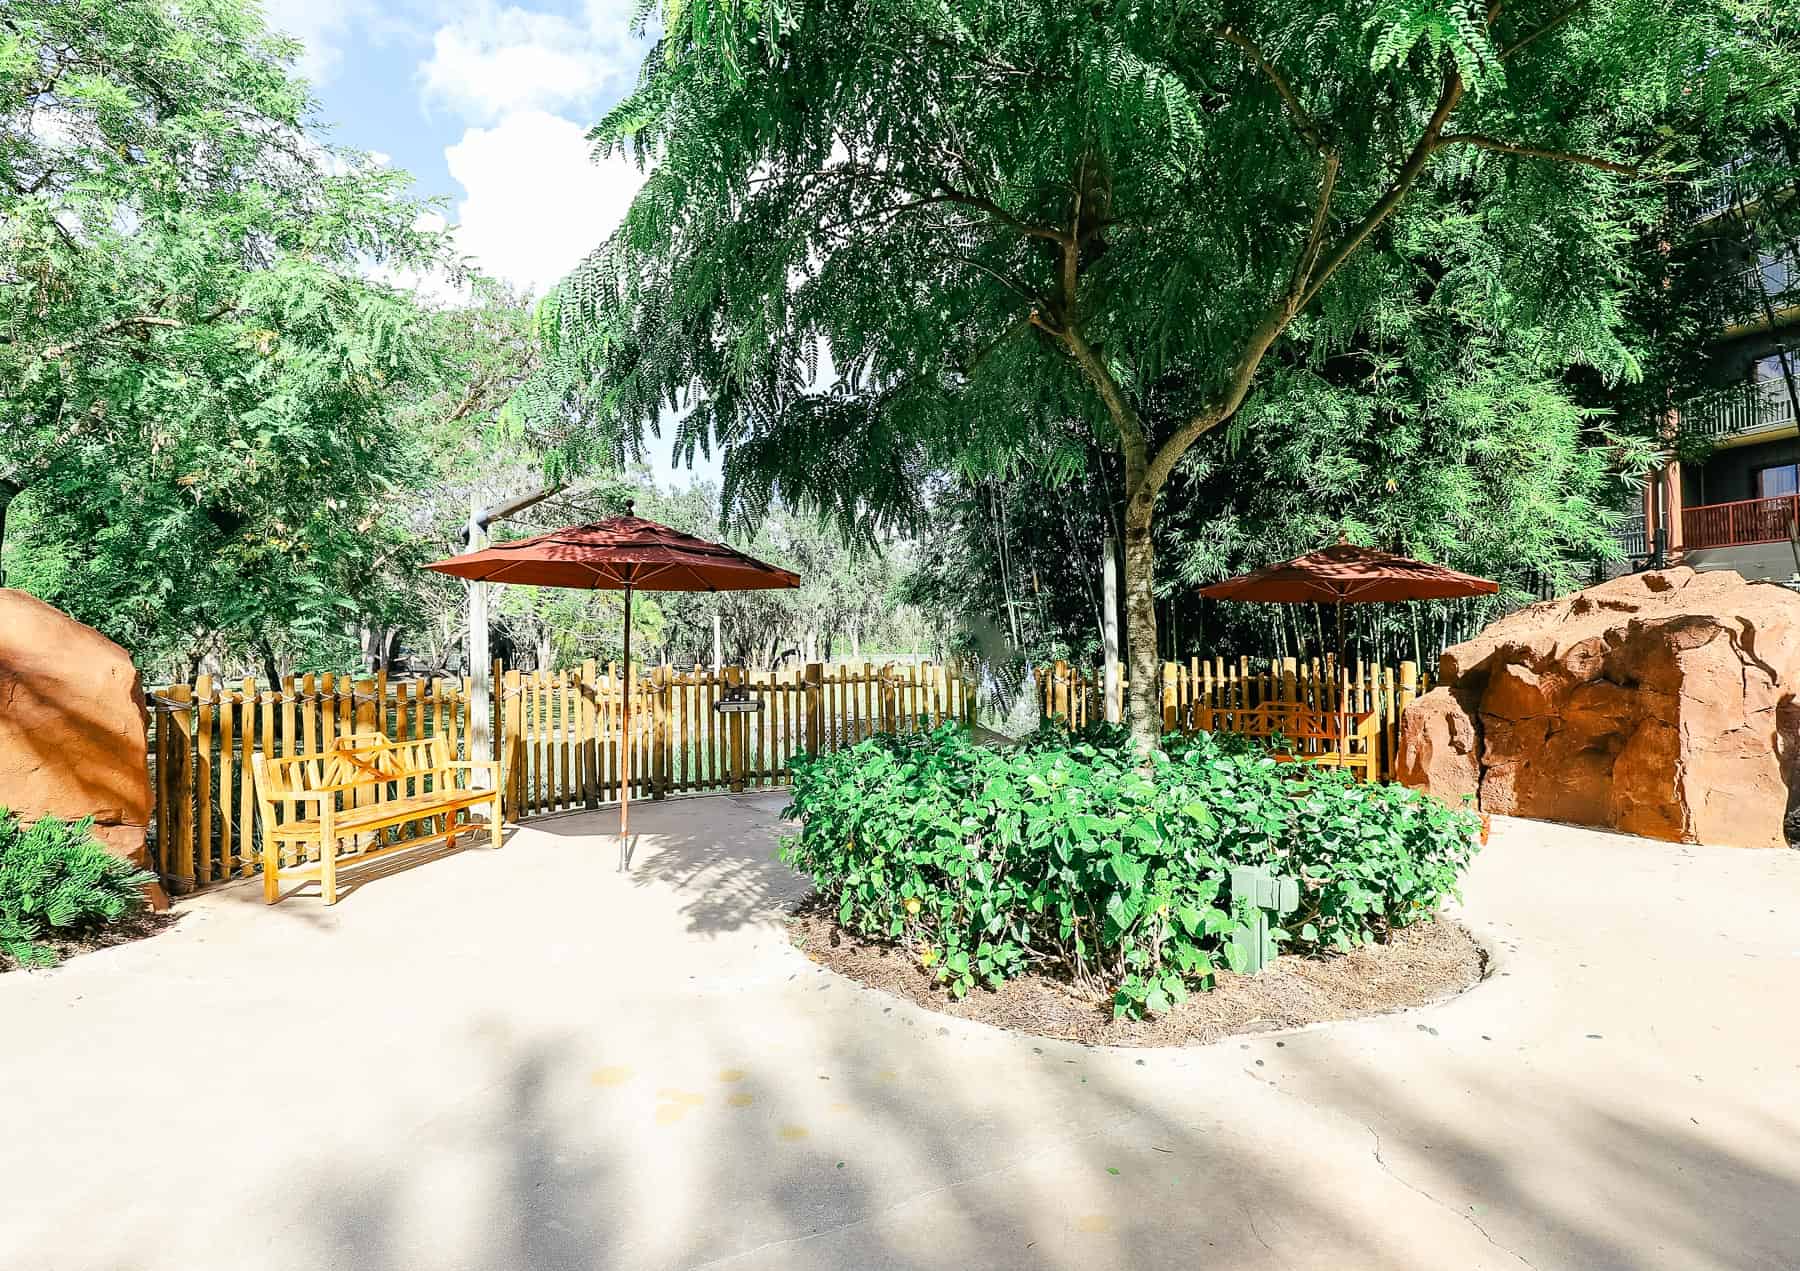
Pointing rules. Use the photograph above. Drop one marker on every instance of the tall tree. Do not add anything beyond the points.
(198, 376)
(998, 218)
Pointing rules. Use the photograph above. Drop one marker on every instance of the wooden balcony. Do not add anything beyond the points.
(1738, 524)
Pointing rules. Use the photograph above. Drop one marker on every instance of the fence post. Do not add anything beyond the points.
(365, 693)
(1170, 707)
(1060, 678)
(1409, 690)
(735, 732)
(509, 738)
(659, 763)
(203, 775)
(890, 701)
(815, 708)
(246, 839)
(587, 681)
(178, 858)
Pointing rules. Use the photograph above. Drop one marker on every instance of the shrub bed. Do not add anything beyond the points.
(55, 879)
(1063, 855)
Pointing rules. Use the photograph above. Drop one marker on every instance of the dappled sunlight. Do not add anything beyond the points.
(527, 1059)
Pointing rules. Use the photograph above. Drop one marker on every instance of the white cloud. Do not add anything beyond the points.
(320, 24)
(535, 202)
(493, 61)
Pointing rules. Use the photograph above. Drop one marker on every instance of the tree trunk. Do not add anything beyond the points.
(1145, 710)
(271, 667)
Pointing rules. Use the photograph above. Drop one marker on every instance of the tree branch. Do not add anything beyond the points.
(140, 320)
(1555, 23)
(1403, 182)
(1013, 285)
(1282, 312)
(1304, 123)
(1132, 436)
(939, 192)
(1315, 238)
(1536, 152)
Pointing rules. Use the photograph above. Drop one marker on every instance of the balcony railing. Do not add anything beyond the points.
(1754, 409)
(1733, 185)
(1632, 536)
(1739, 524)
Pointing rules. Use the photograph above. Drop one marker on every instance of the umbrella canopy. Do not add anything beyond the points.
(621, 553)
(617, 553)
(1346, 574)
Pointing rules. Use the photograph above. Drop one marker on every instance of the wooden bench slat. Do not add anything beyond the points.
(359, 770)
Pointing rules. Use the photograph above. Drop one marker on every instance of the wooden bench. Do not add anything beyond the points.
(345, 804)
(1335, 739)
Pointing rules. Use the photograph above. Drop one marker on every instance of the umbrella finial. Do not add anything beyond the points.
(630, 507)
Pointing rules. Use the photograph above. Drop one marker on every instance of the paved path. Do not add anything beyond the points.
(524, 1059)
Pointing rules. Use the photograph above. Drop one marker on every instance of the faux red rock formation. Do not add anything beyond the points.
(1661, 704)
(72, 727)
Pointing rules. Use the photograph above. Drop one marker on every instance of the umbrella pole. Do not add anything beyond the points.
(625, 731)
(1339, 606)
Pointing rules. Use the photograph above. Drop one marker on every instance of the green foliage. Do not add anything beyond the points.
(53, 875)
(1013, 230)
(1065, 855)
(201, 373)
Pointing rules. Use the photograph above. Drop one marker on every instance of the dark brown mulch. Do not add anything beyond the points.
(137, 927)
(1424, 963)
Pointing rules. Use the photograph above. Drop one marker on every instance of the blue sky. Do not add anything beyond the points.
(486, 105)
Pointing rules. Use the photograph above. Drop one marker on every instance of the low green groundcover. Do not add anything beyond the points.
(1063, 855)
(56, 879)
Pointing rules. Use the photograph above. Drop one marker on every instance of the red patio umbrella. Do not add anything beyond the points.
(621, 553)
(1346, 574)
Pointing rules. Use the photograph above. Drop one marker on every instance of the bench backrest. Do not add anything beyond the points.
(1311, 731)
(367, 767)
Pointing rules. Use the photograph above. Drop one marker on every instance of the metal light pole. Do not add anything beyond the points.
(481, 692)
(1109, 627)
(481, 742)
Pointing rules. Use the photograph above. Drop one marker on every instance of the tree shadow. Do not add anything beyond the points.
(716, 853)
(551, 1071)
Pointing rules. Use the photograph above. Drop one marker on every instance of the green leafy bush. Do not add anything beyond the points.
(1063, 854)
(54, 875)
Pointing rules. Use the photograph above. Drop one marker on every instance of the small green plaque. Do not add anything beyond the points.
(1262, 894)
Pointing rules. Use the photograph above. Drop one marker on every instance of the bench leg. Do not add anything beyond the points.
(271, 863)
(495, 825)
(449, 829)
(328, 857)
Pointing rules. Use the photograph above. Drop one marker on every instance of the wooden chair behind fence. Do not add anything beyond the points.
(348, 802)
(1337, 739)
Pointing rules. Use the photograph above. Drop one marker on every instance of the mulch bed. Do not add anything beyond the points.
(1424, 963)
(137, 927)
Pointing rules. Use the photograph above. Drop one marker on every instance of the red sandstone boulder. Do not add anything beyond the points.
(1662, 704)
(1437, 747)
(72, 727)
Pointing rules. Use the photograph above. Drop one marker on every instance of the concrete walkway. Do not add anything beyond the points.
(524, 1059)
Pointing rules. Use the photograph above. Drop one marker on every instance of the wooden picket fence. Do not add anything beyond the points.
(567, 726)
(563, 727)
(1209, 693)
